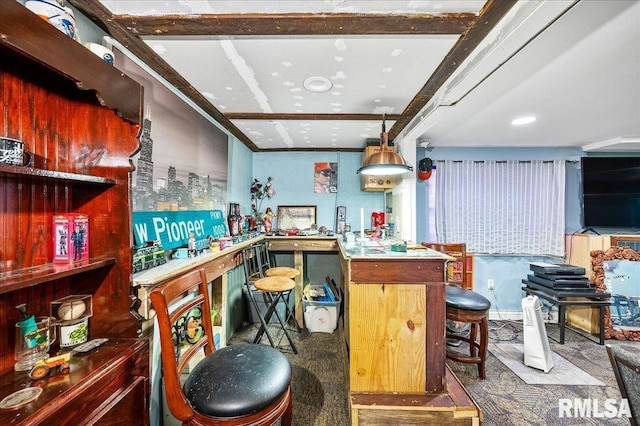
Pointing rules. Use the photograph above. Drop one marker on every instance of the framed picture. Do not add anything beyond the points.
(325, 178)
(300, 217)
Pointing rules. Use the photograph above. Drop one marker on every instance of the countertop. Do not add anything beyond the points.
(373, 249)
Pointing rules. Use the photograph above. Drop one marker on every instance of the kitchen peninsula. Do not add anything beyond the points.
(395, 331)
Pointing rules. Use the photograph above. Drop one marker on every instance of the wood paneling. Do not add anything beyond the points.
(418, 270)
(388, 332)
(78, 117)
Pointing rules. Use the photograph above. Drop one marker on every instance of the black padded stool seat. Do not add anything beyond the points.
(238, 380)
(467, 300)
(469, 307)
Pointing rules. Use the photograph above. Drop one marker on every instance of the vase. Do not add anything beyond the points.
(258, 222)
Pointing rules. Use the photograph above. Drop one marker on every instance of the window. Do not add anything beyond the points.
(502, 207)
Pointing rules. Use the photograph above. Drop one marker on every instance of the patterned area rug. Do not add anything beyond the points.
(562, 373)
(506, 400)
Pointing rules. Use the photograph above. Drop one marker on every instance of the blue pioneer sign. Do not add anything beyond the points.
(172, 228)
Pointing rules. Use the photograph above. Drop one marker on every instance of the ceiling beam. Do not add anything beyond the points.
(127, 30)
(103, 18)
(287, 116)
(490, 15)
(296, 24)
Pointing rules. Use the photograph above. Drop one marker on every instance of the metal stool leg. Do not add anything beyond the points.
(263, 322)
(273, 304)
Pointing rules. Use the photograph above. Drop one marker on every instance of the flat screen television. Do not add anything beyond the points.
(611, 192)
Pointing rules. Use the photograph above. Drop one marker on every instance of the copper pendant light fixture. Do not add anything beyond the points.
(386, 161)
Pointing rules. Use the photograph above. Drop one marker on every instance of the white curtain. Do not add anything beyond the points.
(502, 207)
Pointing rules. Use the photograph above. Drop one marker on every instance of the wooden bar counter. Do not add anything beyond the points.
(299, 245)
(395, 331)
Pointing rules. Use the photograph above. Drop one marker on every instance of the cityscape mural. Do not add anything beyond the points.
(182, 162)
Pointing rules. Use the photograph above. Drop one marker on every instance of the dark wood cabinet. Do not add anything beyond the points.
(79, 118)
(107, 386)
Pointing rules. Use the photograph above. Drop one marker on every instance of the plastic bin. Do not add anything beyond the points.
(321, 312)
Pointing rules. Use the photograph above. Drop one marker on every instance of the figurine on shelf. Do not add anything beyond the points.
(191, 245)
(71, 237)
(77, 237)
(267, 218)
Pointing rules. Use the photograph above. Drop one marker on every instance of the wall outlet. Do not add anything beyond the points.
(490, 284)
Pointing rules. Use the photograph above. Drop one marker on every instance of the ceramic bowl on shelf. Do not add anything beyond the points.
(57, 15)
(100, 51)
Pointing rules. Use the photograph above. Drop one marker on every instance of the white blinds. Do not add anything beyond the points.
(502, 207)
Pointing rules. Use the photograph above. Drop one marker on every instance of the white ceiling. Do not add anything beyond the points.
(580, 77)
(574, 65)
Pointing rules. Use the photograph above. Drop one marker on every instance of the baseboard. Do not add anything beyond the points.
(517, 316)
(505, 315)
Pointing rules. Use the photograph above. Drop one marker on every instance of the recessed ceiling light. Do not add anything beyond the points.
(523, 120)
(317, 84)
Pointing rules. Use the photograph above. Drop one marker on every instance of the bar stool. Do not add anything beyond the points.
(274, 289)
(469, 307)
(270, 270)
(456, 270)
(288, 272)
(282, 271)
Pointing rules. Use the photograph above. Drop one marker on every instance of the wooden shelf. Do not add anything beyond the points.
(22, 278)
(105, 386)
(70, 107)
(8, 171)
(31, 36)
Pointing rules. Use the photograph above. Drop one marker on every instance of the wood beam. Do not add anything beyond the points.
(296, 24)
(490, 15)
(312, 116)
(127, 30)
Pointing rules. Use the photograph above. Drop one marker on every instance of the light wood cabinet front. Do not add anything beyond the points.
(388, 338)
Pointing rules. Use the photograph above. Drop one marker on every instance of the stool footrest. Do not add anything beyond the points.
(464, 358)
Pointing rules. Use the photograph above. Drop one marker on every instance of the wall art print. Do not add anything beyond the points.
(182, 163)
(325, 178)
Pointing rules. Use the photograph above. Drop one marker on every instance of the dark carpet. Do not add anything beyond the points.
(320, 383)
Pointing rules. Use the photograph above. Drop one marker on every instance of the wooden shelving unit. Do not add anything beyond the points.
(79, 118)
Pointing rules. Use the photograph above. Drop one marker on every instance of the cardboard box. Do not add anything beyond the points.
(321, 312)
(70, 237)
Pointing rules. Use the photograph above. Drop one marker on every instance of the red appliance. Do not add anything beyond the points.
(377, 219)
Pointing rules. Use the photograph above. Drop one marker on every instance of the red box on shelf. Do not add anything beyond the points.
(70, 237)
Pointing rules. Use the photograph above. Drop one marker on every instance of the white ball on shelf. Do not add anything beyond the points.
(71, 310)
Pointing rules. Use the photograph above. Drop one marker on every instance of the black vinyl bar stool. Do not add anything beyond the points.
(245, 384)
(469, 307)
